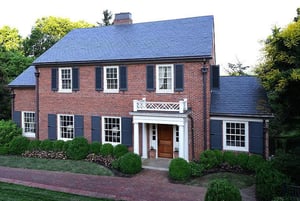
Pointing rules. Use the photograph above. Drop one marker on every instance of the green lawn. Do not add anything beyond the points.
(12, 192)
(82, 167)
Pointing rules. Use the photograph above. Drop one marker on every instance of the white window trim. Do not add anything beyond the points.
(60, 89)
(27, 134)
(157, 79)
(58, 128)
(233, 148)
(103, 131)
(106, 90)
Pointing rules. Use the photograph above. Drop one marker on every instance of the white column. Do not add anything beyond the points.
(136, 139)
(144, 154)
(181, 141)
(186, 140)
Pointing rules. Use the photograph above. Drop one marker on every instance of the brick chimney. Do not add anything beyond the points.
(122, 18)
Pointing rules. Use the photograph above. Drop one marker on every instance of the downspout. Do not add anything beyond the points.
(204, 73)
(12, 96)
(37, 105)
(193, 137)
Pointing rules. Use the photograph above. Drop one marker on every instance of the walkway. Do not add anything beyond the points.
(145, 186)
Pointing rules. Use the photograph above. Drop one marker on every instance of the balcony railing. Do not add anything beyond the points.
(143, 105)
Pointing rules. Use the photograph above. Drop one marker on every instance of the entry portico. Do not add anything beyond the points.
(162, 126)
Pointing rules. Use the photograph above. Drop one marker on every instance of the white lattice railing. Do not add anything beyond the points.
(143, 105)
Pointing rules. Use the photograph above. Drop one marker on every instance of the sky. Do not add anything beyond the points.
(240, 25)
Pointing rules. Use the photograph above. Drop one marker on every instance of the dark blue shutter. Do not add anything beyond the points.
(96, 129)
(127, 131)
(179, 77)
(256, 138)
(215, 76)
(99, 78)
(54, 79)
(52, 128)
(17, 118)
(123, 78)
(216, 133)
(150, 78)
(79, 125)
(75, 79)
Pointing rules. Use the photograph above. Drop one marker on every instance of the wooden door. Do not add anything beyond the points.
(165, 141)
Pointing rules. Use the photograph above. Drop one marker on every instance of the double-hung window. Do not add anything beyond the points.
(165, 78)
(235, 136)
(65, 80)
(65, 127)
(28, 124)
(111, 132)
(111, 79)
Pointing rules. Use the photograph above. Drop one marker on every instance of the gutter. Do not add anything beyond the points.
(37, 106)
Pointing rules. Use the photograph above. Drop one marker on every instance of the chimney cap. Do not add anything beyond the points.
(123, 18)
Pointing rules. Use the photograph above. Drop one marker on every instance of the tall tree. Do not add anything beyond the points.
(106, 21)
(10, 38)
(237, 69)
(47, 31)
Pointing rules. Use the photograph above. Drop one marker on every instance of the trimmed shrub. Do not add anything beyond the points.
(95, 148)
(208, 159)
(78, 148)
(219, 155)
(4, 150)
(222, 190)
(130, 163)
(58, 145)
(254, 162)
(46, 145)
(120, 150)
(269, 182)
(179, 169)
(18, 145)
(8, 130)
(242, 160)
(66, 145)
(107, 150)
(34, 145)
(230, 158)
(196, 169)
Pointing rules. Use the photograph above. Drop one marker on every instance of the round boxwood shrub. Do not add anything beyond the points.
(95, 148)
(46, 145)
(196, 169)
(66, 145)
(58, 145)
(130, 163)
(222, 190)
(18, 145)
(209, 159)
(78, 148)
(242, 160)
(107, 149)
(120, 150)
(230, 158)
(179, 169)
(254, 162)
(34, 145)
(219, 155)
(8, 130)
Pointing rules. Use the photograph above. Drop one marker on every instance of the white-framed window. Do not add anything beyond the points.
(176, 137)
(28, 124)
(111, 130)
(153, 136)
(65, 127)
(165, 78)
(111, 79)
(65, 80)
(235, 136)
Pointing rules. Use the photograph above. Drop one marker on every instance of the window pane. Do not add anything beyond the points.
(29, 122)
(112, 130)
(235, 134)
(165, 77)
(66, 126)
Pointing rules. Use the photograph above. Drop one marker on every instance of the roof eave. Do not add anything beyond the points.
(21, 86)
(262, 116)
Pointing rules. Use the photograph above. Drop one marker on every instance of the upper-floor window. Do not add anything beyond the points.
(235, 135)
(28, 124)
(65, 127)
(65, 79)
(111, 130)
(165, 78)
(111, 79)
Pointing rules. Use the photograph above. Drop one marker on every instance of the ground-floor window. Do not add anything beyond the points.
(28, 124)
(235, 135)
(65, 127)
(111, 129)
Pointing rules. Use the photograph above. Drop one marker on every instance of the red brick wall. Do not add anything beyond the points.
(24, 99)
(89, 102)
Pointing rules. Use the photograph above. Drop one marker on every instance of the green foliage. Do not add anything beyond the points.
(58, 145)
(34, 145)
(120, 150)
(95, 148)
(269, 182)
(222, 190)
(219, 155)
(254, 162)
(209, 159)
(4, 150)
(46, 145)
(18, 145)
(196, 169)
(242, 160)
(10, 38)
(237, 69)
(179, 169)
(230, 158)
(8, 130)
(78, 148)
(107, 149)
(66, 145)
(130, 163)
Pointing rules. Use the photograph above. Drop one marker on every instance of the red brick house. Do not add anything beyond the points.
(145, 85)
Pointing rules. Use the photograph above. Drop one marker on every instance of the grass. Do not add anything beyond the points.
(13, 192)
(239, 180)
(82, 167)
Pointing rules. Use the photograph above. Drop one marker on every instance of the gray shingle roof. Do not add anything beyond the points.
(179, 38)
(25, 79)
(239, 96)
